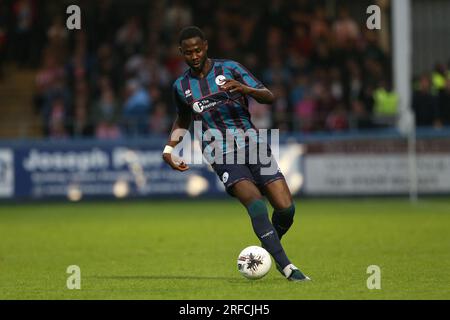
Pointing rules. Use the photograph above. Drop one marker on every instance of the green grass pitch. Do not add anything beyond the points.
(188, 250)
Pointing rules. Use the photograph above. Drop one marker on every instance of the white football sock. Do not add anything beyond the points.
(288, 270)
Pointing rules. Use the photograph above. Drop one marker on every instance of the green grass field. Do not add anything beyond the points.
(188, 250)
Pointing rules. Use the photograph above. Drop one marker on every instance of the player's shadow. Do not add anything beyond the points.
(162, 277)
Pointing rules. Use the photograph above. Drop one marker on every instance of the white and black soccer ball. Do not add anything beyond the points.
(254, 262)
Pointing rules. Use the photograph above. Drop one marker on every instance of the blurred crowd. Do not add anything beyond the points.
(113, 77)
(431, 97)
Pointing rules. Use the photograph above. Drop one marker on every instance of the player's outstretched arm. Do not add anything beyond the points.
(262, 95)
(179, 127)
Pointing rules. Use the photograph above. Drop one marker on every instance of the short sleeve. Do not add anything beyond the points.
(247, 77)
(181, 106)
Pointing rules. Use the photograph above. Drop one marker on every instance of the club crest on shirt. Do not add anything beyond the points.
(188, 93)
(220, 80)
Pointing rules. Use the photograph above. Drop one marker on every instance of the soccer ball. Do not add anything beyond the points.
(254, 262)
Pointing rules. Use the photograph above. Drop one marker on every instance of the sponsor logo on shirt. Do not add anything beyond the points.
(202, 105)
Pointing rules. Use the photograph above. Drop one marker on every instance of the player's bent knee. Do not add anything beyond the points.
(256, 208)
(282, 202)
(246, 192)
(288, 211)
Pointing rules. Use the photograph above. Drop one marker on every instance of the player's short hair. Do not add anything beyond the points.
(190, 32)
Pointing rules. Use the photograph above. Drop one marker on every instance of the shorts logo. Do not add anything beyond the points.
(225, 177)
(220, 80)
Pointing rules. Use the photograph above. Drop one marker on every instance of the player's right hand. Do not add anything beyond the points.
(174, 162)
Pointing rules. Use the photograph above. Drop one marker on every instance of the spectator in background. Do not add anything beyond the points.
(156, 72)
(299, 88)
(105, 19)
(439, 89)
(248, 37)
(105, 114)
(107, 65)
(177, 15)
(174, 62)
(159, 119)
(81, 126)
(275, 43)
(320, 25)
(322, 57)
(49, 82)
(325, 106)
(298, 64)
(345, 29)
(135, 68)
(24, 12)
(276, 73)
(374, 71)
(2, 49)
(323, 69)
(57, 118)
(136, 109)
(301, 41)
(3, 34)
(385, 105)
(367, 98)
(337, 119)
(261, 114)
(438, 77)
(424, 103)
(360, 116)
(281, 109)
(57, 36)
(107, 130)
(129, 38)
(106, 108)
(448, 70)
(300, 11)
(369, 47)
(354, 83)
(228, 45)
(444, 104)
(79, 68)
(336, 84)
(305, 113)
(147, 70)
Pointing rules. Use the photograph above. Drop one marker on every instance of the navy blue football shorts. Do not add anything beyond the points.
(261, 170)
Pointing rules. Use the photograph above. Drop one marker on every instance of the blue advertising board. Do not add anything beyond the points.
(83, 169)
(342, 165)
(77, 170)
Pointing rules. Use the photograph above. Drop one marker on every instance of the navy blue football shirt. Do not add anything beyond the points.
(215, 108)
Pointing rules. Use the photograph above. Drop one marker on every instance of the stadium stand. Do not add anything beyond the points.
(328, 72)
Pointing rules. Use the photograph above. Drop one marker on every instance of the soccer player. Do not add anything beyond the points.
(216, 93)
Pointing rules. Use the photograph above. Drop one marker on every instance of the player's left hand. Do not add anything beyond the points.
(235, 86)
(175, 162)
